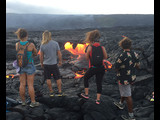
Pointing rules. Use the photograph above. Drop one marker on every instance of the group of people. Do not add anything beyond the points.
(125, 66)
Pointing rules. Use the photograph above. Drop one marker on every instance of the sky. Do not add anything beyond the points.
(80, 6)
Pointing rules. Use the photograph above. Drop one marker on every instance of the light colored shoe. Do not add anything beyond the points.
(82, 95)
(125, 117)
(119, 105)
(51, 94)
(97, 102)
(34, 104)
(24, 104)
(60, 94)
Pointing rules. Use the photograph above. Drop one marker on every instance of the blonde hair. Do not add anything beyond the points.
(46, 37)
(92, 36)
(21, 33)
(125, 43)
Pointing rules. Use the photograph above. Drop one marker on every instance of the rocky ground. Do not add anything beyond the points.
(71, 107)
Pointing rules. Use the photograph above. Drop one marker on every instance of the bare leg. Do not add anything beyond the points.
(122, 99)
(59, 85)
(22, 86)
(30, 82)
(129, 104)
(98, 96)
(86, 91)
(49, 83)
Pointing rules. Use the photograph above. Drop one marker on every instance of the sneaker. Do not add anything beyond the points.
(119, 105)
(84, 96)
(60, 94)
(24, 103)
(125, 117)
(51, 94)
(98, 102)
(34, 104)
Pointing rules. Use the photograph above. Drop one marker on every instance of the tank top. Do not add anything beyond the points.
(29, 53)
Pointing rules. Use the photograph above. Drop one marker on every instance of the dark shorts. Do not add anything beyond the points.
(29, 69)
(51, 69)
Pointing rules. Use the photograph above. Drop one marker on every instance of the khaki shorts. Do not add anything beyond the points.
(125, 90)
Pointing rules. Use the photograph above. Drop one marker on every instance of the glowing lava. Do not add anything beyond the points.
(80, 48)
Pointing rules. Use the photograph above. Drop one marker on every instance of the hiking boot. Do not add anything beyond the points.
(119, 105)
(24, 103)
(51, 94)
(82, 95)
(34, 104)
(97, 102)
(125, 117)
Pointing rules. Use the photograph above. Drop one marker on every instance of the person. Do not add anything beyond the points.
(49, 50)
(92, 38)
(125, 65)
(27, 73)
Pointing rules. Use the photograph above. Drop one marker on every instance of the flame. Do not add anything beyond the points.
(78, 76)
(10, 75)
(107, 64)
(80, 48)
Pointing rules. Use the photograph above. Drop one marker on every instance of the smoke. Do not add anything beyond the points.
(26, 8)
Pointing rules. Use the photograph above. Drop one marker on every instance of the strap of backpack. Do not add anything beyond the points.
(22, 45)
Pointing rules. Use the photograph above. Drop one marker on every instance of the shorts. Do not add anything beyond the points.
(51, 69)
(29, 69)
(125, 90)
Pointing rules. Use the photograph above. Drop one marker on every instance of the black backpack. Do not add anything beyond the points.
(97, 56)
(22, 59)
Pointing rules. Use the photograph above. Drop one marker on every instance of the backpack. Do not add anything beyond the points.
(22, 59)
(97, 56)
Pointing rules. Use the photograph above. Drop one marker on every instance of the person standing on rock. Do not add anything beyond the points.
(95, 54)
(126, 65)
(27, 73)
(49, 50)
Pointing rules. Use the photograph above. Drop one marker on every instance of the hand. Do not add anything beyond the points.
(60, 63)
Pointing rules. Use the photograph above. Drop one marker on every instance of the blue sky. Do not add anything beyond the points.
(80, 6)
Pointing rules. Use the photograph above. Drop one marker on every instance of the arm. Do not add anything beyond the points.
(118, 62)
(60, 57)
(88, 51)
(104, 53)
(41, 58)
(137, 64)
(34, 49)
(17, 46)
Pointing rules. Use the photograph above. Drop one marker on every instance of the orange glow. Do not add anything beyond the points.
(78, 76)
(80, 48)
(10, 75)
(108, 65)
(39, 52)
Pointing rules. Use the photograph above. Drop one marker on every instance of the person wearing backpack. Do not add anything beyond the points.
(125, 65)
(25, 53)
(95, 54)
(49, 50)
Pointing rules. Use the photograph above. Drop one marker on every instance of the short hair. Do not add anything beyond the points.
(125, 43)
(92, 36)
(21, 33)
